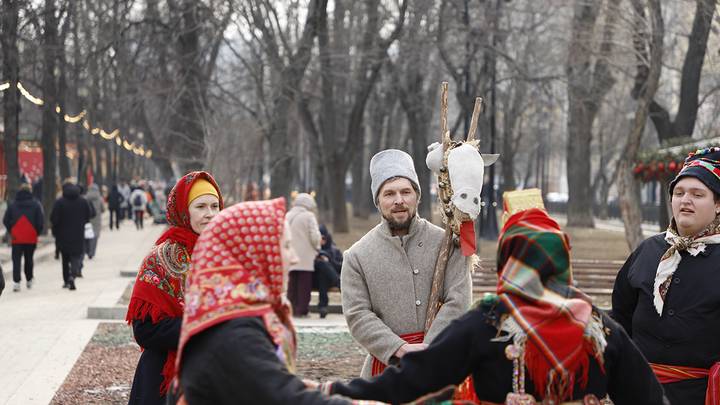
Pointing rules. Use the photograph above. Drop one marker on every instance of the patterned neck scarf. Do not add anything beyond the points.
(159, 287)
(238, 272)
(671, 258)
(535, 284)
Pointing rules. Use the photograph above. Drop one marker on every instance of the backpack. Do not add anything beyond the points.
(137, 200)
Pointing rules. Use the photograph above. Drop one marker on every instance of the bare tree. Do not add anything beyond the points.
(648, 40)
(341, 137)
(589, 80)
(11, 97)
(49, 117)
(412, 77)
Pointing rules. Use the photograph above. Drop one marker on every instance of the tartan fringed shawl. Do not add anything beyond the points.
(535, 284)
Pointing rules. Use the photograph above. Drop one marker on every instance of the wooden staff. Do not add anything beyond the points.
(444, 194)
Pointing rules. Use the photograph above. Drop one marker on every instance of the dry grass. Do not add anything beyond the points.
(587, 243)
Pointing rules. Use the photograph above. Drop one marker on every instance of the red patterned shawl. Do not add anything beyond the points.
(238, 272)
(159, 287)
(535, 284)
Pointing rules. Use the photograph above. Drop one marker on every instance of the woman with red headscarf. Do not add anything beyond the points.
(539, 340)
(156, 305)
(238, 341)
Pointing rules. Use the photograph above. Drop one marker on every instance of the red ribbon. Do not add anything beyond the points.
(467, 238)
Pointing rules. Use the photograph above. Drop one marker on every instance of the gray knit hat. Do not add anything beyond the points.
(391, 163)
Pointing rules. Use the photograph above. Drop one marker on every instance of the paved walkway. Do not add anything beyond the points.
(44, 330)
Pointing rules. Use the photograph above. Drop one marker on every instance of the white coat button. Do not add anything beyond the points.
(416, 271)
(417, 302)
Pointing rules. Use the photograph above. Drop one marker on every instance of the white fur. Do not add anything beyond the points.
(466, 169)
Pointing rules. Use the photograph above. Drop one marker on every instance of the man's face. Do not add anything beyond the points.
(398, 201)
(693, 206)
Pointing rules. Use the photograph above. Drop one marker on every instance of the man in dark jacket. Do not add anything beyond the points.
(115, 200)
(666, 294)
(24, 222)
(68, 218)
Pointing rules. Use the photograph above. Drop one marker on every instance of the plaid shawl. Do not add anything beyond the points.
(535, 284)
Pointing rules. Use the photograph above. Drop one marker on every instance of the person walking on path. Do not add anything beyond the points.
(125, 206)
(138, 201)
(24, 221)
(115, 200)
(95, 198)
(537, 340)
(666, 295)
(328, 264)
(306, 243)
(387, 275)
(156, 304)
(68, 217)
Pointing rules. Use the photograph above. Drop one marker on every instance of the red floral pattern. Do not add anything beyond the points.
(237, 272)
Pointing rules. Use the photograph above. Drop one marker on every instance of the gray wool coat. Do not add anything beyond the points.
(386, 282)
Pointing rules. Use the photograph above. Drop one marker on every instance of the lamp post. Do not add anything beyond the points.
(489, 225)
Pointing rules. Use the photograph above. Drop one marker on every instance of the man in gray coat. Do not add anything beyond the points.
(387, 275)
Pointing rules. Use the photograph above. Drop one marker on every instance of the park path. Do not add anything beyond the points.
(44, 330)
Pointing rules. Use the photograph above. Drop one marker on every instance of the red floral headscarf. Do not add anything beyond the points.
(159, 287)
(238, 272)
(178, 210)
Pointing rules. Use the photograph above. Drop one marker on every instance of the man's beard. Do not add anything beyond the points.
(399, 226)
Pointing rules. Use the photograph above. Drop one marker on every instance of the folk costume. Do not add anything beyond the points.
(386, 280)
(538, 339)
(156, 305)
(666, 296)
(238, 342)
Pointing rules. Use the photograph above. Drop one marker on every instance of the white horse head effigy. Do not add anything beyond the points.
(460, 168)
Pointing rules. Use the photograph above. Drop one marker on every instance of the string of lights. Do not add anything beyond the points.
(77, 118)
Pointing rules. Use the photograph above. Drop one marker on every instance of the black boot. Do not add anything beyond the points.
(323, 312)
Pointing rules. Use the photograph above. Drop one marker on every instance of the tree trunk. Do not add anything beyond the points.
(588, 83)
(627, 184)
(49, 117)
(359, 192)
(187, 121)
(579, 130)
(11, 96)
(289, 78)
(684, 123)
(63, 160)
(338, 169)
(629, 198)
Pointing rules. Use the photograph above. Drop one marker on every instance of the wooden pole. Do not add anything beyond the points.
(474, 122)
(438, 283)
